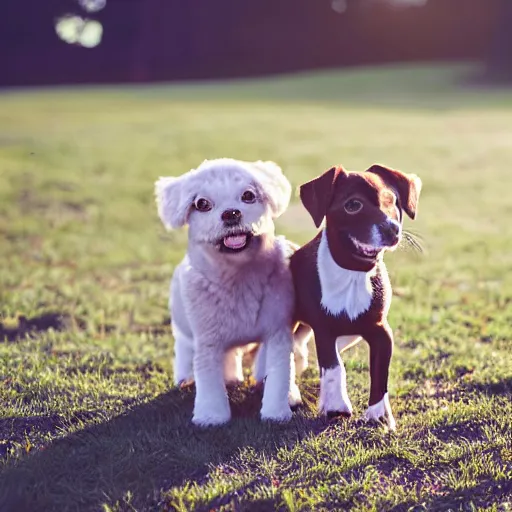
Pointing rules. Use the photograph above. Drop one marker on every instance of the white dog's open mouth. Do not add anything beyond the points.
(235, 242)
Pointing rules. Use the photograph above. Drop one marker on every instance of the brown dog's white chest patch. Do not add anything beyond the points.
(343, 290)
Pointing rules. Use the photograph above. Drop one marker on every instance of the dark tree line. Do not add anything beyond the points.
(147, 40)
(499, 62)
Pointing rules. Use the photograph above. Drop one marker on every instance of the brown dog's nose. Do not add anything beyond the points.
(391, 232)
(393, 227)
(231, 217)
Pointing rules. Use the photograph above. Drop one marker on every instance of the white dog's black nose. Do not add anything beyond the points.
(231, 217)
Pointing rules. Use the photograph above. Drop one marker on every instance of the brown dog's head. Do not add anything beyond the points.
(363, 211)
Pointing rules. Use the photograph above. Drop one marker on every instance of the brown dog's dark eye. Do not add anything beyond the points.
(203, 205)
(353, 206)
(248, 197)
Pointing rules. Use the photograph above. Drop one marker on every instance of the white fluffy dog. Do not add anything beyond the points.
(233, 287)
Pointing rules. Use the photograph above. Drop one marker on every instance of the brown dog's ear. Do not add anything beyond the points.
(407, 186)
(316, 194)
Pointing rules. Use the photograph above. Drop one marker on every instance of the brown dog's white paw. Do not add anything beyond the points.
(381, 412)
(334, 400)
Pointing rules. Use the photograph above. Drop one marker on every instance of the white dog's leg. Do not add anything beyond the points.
(345, 342)
(301, 338)
(183, 357)
(294, 397)
(259, 369)
(211, 406)
(233, 369)
(277, 384)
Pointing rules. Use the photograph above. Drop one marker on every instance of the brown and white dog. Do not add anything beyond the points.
(342, 287)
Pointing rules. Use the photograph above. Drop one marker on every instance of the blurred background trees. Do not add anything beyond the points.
(499, 63)
(73, 41)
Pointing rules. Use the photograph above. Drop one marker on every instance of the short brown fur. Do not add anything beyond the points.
(324, 197)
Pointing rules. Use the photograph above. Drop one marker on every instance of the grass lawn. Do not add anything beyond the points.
(89, 418)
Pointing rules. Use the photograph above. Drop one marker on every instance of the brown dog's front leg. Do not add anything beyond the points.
(380, 340)
(334, 400)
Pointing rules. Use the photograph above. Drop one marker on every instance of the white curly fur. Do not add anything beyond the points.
(222, 300)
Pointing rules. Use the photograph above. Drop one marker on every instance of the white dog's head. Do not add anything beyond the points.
(228, 204)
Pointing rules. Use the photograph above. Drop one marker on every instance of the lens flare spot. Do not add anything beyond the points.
(80, 31)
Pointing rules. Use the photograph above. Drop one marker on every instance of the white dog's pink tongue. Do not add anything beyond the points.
(235, 242)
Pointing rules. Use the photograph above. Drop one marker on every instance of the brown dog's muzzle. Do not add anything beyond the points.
(390, 232)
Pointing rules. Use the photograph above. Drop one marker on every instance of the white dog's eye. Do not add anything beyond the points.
(353, 206)
(202, 205)
(248, 197)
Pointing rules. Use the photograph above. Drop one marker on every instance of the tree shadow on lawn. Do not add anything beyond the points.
(499, 387)
(23, 326)
(149, 447)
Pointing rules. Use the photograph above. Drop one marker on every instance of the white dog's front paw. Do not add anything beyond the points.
(205, 415)
(381, 412)
(334, 400)
(280, 414)
(294, 397)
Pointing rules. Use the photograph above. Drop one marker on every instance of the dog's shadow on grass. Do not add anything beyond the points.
(480, 496)
(151, 446)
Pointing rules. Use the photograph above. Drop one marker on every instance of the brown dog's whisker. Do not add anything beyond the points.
(414, 241)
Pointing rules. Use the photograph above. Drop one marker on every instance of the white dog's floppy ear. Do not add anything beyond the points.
(275, 186)
(173, 201)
